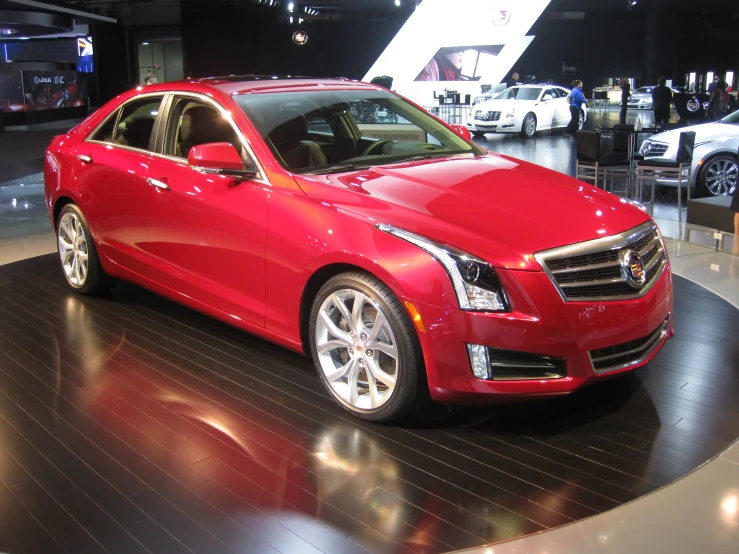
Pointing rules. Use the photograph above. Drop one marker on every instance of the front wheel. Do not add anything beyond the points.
(528, 128)
(77, 253)
(718, 176)
(365, 348)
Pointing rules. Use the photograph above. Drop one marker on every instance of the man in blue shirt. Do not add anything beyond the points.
(576, 101)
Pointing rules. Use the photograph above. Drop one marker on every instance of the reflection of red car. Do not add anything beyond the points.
(400, 256)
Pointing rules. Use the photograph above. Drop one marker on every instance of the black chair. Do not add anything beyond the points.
(679, 169)
(597, 159)
(384, 81)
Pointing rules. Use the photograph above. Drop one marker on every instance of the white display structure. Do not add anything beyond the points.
(487, 36)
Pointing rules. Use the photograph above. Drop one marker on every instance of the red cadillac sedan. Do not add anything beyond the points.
(339, 219)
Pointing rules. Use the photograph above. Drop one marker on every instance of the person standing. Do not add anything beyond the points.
(625, 94)
(513, 81)
(712, 86)
(576, 102)
(719, 106)
(661, 101)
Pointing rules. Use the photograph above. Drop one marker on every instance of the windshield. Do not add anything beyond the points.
(731, 118)
(340, 130)
(518, 93)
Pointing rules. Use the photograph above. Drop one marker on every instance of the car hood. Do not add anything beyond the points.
(503, 104)
(495, 207)
(703, 133)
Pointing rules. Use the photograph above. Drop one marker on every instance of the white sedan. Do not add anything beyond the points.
(714, 169)
(523, 109)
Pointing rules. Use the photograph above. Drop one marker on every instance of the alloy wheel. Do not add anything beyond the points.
(73, 249)
(530, 125)
(721, 176)
(357, 349)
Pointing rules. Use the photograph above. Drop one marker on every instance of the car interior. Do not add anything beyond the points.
(199, 124)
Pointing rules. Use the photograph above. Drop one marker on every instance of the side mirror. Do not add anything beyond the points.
(546, 97)
(463, 132)
(218, 158)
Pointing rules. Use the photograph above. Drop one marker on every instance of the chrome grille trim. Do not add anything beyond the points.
(487, 116)
(636, 355)
(593, 260)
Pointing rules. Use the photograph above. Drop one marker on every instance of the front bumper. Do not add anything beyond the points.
(540, 323)
(503, 125)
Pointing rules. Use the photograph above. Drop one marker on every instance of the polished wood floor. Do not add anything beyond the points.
(131, 424)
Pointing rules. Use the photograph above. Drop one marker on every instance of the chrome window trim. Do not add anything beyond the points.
(613, 242)
(261, 174)
(658, 338)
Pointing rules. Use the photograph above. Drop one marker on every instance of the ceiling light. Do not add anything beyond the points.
(7, 31)
(397, 3)
(291, 7)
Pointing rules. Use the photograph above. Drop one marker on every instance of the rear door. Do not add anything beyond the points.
(207, 233)
(546, 109)
(111, 168)
(562, 111)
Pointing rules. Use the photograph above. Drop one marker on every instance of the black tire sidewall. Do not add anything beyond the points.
(410, 368)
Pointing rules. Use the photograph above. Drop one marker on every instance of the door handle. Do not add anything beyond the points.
(158, 184)
(85, 159)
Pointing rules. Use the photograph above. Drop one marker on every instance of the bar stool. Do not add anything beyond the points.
(680, 169)
(597, 160)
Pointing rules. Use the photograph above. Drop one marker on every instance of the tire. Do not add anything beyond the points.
(581, 121)
(344, 352)
(718, 176)
(89, 278)
(528, 127)
(478, 134)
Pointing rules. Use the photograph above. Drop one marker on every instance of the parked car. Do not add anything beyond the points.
(714, 168)
(641, 98)
(406, 261)
(523, 109)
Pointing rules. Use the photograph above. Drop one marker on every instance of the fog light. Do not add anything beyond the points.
(479, 360)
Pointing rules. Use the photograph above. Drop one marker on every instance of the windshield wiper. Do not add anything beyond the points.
(337, 169)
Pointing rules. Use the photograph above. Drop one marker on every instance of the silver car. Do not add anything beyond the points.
(714, 157)
(641, 98)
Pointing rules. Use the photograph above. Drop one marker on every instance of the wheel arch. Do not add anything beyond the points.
(59, 204)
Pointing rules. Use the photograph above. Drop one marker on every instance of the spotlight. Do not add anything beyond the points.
(632, 4)
(397, 3)
(291, 7)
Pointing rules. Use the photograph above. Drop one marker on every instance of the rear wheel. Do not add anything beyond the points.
(528, 127)
(77, 253)
(718, 176)
(581, 120)
(365, 348)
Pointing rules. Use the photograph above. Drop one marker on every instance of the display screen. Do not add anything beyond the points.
(460, 63)
(26, 91)
(85, 53)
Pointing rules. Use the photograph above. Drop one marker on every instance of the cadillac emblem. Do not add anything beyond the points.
(632, 269)
(501, 14)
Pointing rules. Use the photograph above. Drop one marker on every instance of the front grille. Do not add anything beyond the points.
(487, 116)
(620, 356)
(653, 149)
(594, 270)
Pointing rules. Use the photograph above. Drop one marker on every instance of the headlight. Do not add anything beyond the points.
(475, 282)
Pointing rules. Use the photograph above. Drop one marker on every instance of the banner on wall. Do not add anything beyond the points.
(11, 92)
(468, 42)
(48, 90)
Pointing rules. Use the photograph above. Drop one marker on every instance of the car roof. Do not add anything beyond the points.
(247, 84)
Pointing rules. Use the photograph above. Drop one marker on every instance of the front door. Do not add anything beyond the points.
(207, 234)
(111, 168)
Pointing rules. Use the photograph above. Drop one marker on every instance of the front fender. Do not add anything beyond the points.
(305, 236)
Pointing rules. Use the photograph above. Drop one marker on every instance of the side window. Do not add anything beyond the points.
(551, 92)
(137, 123)
(192, 123)
(105, 132)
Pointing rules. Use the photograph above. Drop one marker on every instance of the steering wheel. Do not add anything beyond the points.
(375, 146)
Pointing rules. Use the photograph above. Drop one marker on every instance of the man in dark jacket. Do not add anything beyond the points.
(661, 101)
(625, 94)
